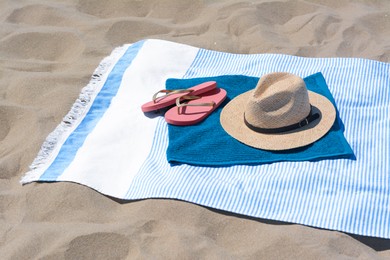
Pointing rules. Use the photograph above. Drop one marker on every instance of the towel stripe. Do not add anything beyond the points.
(99, 106)
(345, 195)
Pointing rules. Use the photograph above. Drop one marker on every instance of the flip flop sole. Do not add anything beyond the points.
(190, 115)
(169, 100)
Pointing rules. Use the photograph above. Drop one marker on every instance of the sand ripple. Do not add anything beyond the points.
(123, 31)
(94, 246)
(42, 15)
(179, 11)
(48, 46)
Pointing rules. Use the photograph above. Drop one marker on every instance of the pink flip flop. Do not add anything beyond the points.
(191, 109)
(171, 95)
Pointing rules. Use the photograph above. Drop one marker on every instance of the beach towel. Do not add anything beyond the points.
(106, 143)
(210, 145)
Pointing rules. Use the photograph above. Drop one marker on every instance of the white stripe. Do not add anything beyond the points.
(124, 115)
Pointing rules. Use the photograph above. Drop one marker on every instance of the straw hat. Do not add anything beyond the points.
(279, 114)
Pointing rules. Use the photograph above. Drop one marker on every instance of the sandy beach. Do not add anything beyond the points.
(48, 52)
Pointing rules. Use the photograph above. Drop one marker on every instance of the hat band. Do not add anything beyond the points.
(307, 120)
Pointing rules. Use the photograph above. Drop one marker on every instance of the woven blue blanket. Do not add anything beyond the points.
(105, 142)
(207, 144)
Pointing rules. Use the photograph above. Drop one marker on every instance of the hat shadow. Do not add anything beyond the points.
(338, 126)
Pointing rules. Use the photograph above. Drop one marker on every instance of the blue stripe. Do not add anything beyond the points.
(344, 195)
(100, 104)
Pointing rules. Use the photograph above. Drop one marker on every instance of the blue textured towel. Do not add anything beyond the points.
(207, 144)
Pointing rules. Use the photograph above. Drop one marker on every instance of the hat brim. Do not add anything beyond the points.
(232, 121)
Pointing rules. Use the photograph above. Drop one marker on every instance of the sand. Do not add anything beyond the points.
(48, 51)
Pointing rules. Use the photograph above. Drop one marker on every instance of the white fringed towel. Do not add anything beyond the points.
(107, 143)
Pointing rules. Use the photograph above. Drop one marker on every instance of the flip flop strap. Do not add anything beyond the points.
(169, 93)
(189, 98)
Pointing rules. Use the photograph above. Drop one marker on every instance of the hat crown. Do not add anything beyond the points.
(279, 99)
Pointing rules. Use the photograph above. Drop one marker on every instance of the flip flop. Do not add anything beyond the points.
(190, 110)
(171, 95)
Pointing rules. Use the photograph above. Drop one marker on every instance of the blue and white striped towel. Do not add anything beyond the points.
(108, 144)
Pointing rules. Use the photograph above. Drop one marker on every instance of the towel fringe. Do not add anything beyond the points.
(80, 108)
